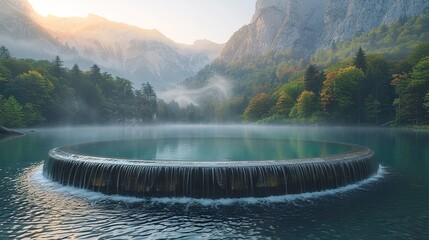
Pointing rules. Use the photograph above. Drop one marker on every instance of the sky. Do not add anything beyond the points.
(183, 21)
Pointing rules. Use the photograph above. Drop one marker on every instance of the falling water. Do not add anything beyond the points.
(208, 179)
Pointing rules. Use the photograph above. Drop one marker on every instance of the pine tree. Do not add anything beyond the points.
(149, 101)
(95, 73)
(360, 60)
(313, 79)
(58, 67)
(4, 52)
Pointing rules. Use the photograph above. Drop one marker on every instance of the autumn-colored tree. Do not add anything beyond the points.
(306, 104)
(284, 71)
(257, 108)
(284, 104)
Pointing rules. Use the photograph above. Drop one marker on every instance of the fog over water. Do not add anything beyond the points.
(391, 205)
(217, 87)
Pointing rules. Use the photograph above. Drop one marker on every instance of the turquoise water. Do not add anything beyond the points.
(394, 206)
(211, 149)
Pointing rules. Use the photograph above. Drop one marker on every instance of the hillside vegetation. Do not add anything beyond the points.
(47, 93)
(371, 80)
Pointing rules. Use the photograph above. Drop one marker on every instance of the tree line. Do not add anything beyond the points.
(340, 83)
(369, 90)
(48, 93)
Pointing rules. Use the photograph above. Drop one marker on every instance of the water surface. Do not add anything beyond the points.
(393, 207)
(211, 149)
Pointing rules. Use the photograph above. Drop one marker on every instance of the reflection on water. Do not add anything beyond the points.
(211, 149)
(395, 207)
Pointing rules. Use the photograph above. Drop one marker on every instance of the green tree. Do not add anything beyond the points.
(4, 52)
(148, 92)
(360, 60)
(124, 98)
(418, 53)
(284, 71)
(191, 113)
(426, 102)
(339, 96)
(31, 87)
(10, 112)
(420, 86)
(146, 103)
(372, 109)
(292, 88)
(58, 69)
(150, 99)
(95, 71)
(405, 100)
(5, 75)
(377, 84)
(411, 90)
(32, 115)
(313, 79)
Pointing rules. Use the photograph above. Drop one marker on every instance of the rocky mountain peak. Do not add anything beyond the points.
(15, 6)
(302, 26)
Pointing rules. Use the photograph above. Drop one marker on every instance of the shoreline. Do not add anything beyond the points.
(7, 132)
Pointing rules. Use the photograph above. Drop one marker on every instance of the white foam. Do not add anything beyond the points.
(48, 185)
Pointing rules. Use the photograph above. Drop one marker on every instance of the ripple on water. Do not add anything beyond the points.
(43, 209)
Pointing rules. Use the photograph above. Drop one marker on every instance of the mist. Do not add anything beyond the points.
(217, 88)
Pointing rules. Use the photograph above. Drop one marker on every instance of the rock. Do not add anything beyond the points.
(306, 25)
(6, 132)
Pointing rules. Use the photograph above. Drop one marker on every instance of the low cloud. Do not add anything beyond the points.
(217, 87)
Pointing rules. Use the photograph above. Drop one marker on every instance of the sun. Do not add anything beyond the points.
(60, 8)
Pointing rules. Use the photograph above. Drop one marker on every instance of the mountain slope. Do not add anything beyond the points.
(302, 26)
(22, 36)
(139, 54)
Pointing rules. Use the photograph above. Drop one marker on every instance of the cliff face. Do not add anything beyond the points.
(305, 25)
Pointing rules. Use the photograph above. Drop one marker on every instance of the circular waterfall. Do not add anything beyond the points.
(209, 167)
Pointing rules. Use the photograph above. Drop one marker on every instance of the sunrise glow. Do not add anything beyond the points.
(182, 21)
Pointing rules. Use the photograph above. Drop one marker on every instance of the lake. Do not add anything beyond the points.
(392, 205)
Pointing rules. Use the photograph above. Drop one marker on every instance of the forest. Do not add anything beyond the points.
(368, 91)
(46, 93)
(379, 78)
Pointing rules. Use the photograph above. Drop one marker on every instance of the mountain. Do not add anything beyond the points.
(140, 55)
(300, 27)
(22, 36)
